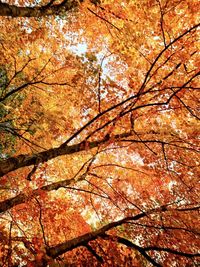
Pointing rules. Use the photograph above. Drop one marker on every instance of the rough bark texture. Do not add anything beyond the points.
(20, 161)
(55, 251)
(22, 198)
(17, 11)
(14, 163)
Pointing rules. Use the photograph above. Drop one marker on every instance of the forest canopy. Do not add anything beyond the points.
(99, 133)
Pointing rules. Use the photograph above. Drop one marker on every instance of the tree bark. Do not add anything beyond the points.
(82, 240)
(48, 10)
(14, 163)
(22, 198)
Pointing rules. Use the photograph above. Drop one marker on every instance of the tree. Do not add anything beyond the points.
(99, 123)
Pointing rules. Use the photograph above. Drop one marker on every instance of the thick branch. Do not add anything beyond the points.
(22, 198)
(20, 161)
(17, 11)
(84, 239)
(14, 163)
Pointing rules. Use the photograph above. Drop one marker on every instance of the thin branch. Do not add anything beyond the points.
(165, 227)
(188, 108)
(162, 51)
(172, 251)
(161, 22)
(103, 19)
(99, 258)
(189, 209)
(22, 197)
(40, 222)
(32, 172)
(128, 243)
(86, 191)
(165, 156)
(82, 240)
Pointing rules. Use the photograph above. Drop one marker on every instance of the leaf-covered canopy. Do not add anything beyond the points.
(99, 133)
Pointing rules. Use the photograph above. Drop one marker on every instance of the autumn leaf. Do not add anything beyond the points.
(99, 133)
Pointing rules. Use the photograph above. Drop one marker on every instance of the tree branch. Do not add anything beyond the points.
(47, 10)
(82, 240)
(128, 243)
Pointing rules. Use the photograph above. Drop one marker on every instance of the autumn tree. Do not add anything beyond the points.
(99, 131)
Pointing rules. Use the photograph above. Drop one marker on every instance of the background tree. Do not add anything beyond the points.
(99, 124)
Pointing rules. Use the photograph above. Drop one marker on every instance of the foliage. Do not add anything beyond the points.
(99, 133)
